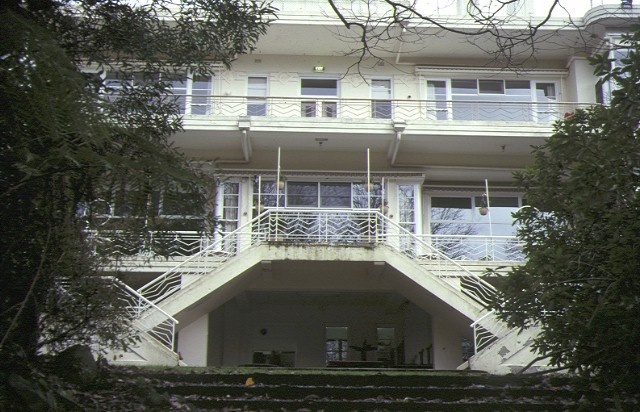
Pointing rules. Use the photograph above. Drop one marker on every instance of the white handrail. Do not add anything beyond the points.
(162, 329)
(323, 226)
(544, 113)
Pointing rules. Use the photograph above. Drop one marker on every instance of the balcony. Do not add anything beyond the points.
(317, 226)
(331, 109)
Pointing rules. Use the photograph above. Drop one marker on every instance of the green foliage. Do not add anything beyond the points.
(68, 149)
(581, 230)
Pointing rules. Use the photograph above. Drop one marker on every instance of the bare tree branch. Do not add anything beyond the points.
(377, 30)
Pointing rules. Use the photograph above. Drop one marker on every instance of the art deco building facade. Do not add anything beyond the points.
(360, 205)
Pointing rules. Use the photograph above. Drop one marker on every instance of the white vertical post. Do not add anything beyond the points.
(369, 188)
(277, 193)
(486, 188)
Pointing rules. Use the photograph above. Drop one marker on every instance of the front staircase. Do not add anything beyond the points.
(280, 234)
(253, 389)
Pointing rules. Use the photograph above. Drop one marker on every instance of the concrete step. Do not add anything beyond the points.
(362, 390)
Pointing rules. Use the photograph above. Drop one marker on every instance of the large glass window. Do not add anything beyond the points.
(335, 195)
(464, 215)
(492, 100)
(329, 195)
(301, 194)
(469, 227)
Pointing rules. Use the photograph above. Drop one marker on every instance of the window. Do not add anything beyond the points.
(407, 207)
(192, 93)
(301, 194)
(335, 195)
(460, 229)
(437, 96)
(257, 92)
(461, 215)
(176, 203)
(617, 54)
(117, 82)
(336, 346)
(386, 337)
(319, 88)
(546, 92)
(491, 100)
(381, 99)
(230, 207)
(331, 195)
(201, 91)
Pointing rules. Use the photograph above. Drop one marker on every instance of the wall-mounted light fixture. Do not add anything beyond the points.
(318, 69)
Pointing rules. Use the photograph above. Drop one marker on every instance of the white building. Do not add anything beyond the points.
(311, 263)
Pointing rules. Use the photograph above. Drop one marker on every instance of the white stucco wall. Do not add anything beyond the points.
(192, 342)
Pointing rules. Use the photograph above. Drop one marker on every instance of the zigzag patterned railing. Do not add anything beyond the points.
(482, 337)
(144, 314)
(148, 317)
(325, 226)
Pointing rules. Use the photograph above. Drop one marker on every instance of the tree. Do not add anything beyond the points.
(503, 30)
(68, 145)
(581, 229)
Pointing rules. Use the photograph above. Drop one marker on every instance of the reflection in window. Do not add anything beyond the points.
(460, 216)
(455, 220)
(336, 195)
(318, 194)
(301, 194)
(407, 207)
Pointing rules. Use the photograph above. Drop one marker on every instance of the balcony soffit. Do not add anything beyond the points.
(330, 38)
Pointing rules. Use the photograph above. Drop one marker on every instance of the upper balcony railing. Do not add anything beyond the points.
(336, 230)
(458, 8)
(345, 108)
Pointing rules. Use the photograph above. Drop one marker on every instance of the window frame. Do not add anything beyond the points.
(255, 100)
(187, 97)
(381, 108)
(444, 108)
(319, 105)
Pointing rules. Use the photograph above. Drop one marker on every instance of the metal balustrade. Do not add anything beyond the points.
(144, 314)
(482, 337)
(414, 110)
(185, 243)
(179, 243)
(308, 227)
(313, 227)
(147, 317)
(478, 248)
